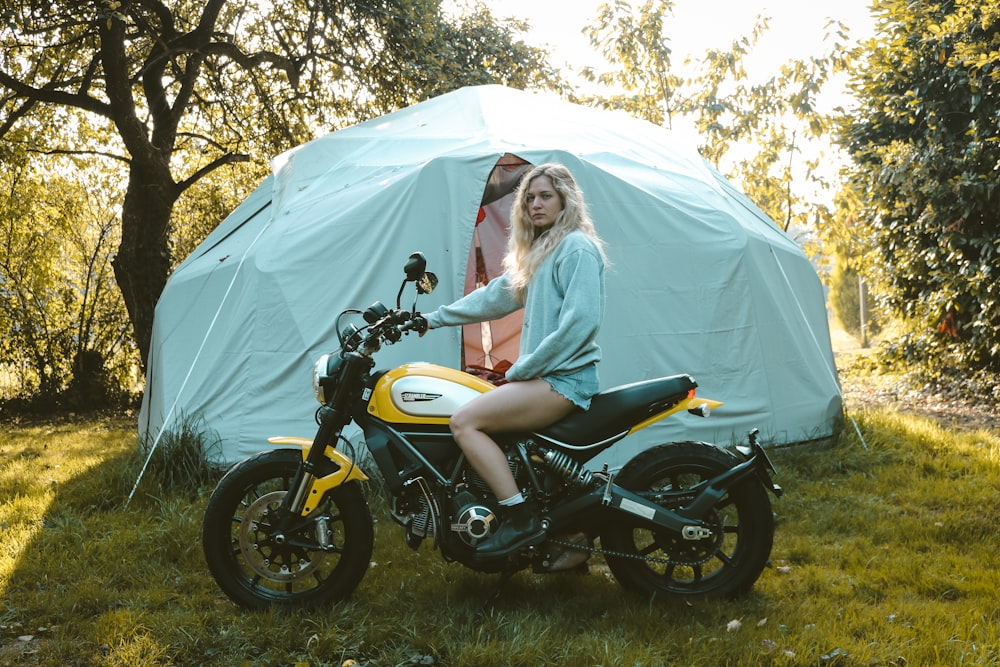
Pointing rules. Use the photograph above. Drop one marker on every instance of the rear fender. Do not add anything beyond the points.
(692, 403)
(347, 471)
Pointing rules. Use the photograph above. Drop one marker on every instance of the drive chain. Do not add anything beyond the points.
(620, 554)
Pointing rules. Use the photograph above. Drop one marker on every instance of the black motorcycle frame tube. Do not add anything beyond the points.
(610, 496)
(380, 436)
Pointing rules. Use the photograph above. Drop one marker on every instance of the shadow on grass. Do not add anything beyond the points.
(102, 583)
(86, 572)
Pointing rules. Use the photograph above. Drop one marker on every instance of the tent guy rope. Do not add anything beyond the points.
(194, 362)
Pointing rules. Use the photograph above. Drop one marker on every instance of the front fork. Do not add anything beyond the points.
(296, 510)
(317, 464)
(330, 428)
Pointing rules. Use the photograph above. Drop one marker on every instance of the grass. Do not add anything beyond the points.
(883, 556)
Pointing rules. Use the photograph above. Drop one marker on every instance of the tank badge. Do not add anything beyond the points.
(418, 397)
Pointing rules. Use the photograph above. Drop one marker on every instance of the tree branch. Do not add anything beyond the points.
(229, 158)
(66, 151)
(118, 87)
(251, 61)
(15, 115)
(57, 97)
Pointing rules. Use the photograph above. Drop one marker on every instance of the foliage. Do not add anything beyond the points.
(641, 80)
(178, 90)
(754, 132)
(845, 299)
(68, 336)
(853, 581)
(925, 140)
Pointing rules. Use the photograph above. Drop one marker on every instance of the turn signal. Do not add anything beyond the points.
(702, 410)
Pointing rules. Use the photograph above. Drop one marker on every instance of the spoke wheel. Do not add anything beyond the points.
(321, 560)
(658, 562)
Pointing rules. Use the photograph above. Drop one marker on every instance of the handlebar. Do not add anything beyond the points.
(383, 324)
(415, 322)
(403, 323)
(388, 326)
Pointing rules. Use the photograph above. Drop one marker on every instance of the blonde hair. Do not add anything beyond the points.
(527, 247)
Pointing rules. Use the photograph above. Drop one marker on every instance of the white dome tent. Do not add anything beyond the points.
(701, 281)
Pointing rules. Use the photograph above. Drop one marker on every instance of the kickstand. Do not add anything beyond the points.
(494, 594)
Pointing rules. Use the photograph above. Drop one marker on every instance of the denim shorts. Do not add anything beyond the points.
(578, 386)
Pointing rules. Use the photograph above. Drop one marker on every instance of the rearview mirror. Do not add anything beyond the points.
(427, 283)
(415, 267)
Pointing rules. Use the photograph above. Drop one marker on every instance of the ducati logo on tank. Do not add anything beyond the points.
(418, 397)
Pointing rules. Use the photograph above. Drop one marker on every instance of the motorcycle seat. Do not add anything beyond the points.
(613, 412)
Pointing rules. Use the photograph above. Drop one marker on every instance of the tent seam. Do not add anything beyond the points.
(194, 362)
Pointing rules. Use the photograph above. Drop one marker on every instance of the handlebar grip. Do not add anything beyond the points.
(418, 323)
(414, 323)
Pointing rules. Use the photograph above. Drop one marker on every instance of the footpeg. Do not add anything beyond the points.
(606, 498)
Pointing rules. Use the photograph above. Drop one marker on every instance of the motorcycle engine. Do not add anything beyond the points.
(474, 521)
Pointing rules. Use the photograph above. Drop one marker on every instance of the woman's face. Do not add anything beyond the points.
(544, 203)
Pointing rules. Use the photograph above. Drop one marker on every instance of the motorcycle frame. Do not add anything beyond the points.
(325, 468)
(321, 471)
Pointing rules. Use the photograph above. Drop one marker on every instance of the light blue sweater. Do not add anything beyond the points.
(563, 310)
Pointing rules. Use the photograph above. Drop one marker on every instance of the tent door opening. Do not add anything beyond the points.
(493, 346)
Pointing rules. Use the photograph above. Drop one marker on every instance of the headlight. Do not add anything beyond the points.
(324, 374)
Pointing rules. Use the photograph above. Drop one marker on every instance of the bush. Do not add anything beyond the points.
(929, 360)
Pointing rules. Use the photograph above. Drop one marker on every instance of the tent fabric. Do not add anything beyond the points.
(700, 280)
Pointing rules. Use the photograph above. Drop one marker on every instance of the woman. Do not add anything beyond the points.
(554, 269)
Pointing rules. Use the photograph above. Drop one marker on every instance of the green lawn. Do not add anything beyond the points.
(883, 556)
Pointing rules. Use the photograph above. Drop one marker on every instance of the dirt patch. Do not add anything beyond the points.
(953, 407)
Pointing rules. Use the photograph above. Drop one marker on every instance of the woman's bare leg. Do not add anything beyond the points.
(516, 406)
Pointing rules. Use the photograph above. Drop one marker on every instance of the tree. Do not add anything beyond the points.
(925, 150)
(66, 326)
(642, 80)
(754, 132)
(190, 86)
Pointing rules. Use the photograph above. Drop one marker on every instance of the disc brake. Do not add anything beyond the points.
(272, 561)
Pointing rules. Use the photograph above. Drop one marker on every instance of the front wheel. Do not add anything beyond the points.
(660, 563)
(321, 560)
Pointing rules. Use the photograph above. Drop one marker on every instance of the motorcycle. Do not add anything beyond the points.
(291, 527)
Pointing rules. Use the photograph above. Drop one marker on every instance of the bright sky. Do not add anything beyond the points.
(797, 28)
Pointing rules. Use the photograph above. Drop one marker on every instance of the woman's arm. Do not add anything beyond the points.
(492, 301)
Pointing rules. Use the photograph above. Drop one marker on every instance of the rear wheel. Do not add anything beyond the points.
(661, 563)
(322, 560)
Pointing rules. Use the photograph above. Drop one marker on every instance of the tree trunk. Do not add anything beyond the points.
(143, 260)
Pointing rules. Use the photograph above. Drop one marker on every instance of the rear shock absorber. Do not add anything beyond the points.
(574, 472)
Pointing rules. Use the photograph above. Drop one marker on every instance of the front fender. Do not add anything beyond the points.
(348, 471)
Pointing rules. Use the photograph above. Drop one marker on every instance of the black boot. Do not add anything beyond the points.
(520, 528)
